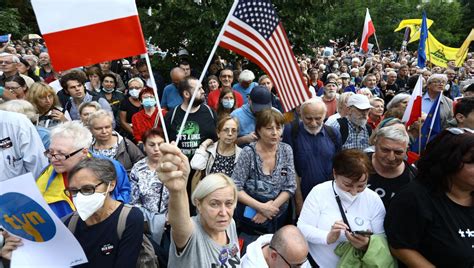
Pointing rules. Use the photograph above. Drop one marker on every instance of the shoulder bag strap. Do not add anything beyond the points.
(123, 220)
(73, 222)
(341, 209)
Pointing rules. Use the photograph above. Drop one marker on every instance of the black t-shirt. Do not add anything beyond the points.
(432, 224)
(200, 125)
(128, 107)
(387, 188)
(101, 243)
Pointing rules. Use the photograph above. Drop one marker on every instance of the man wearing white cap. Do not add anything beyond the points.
(354, 130)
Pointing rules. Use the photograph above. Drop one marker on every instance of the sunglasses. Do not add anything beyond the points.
(289, 264)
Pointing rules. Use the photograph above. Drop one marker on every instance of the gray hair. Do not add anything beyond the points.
(103, 169)
(22, 107)
(313, 101)
(136, 79)
(374, 99)
(331, 75)
(32, 57)
(74, 130)
(246, 75)
(101, 113)
(15, 59)
(393, 132)
(343, 98)
(392, 73)
(437, 76)
(94, 104)
(396, 100)
(211, 183)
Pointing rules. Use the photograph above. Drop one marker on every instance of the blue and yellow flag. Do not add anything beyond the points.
(414, 25)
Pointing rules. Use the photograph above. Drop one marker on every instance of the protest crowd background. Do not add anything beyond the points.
(348, 172)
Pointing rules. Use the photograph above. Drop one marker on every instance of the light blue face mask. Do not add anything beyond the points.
(148, 102)
(228, 103)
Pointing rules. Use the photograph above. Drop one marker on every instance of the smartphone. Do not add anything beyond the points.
(364, 233)
(249, 212)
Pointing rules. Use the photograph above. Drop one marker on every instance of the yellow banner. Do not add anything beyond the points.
(414, 25)
(439, 54)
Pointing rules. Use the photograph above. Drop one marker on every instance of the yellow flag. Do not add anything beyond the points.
(439, 54)
(465, 46)
(414, 25)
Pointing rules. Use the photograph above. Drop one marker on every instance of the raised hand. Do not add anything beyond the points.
(173, 169)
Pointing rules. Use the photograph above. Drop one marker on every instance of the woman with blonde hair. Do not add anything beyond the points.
(44, 99)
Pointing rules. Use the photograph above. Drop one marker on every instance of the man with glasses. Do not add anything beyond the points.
(286, 248)
(435, 87)
(226, 76)
(8, 68)
(69, 145)
(20, 146)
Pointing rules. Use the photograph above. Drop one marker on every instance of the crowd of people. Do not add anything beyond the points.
(334, 182)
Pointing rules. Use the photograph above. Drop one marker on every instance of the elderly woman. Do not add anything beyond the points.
(16, 85)
(430, 222)
(335, 209)
(376, 112)
(210, 238)
(46, 102)
(265, 177)
(399, 101)
(219, 156)
(109, 143)
(86, 109)
(148, 192)
(130, 106)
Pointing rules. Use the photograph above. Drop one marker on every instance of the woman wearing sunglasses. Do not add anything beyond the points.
(431, 221)
(94, 224)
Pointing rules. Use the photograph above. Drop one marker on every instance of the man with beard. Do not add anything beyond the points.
(313, 143)
(354, 130)
(201, 122)
(330, 97)
(391, 171)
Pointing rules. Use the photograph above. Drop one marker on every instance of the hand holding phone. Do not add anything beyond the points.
(364, 233)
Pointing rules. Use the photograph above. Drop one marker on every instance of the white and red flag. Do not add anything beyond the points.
(368, 31)
(255, 31)
(84, 32)
(413, 110)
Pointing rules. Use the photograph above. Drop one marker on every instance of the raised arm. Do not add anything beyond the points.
(173, 171)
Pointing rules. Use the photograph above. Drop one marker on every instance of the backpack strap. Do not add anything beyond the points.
(210, 111)
(343, 128)
(123, 220)
(172, 116)
(331, 134)
(73, 222)
(369, 129)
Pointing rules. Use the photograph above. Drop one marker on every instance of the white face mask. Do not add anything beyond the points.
(346, 196)
(86, 205)
(134, 93)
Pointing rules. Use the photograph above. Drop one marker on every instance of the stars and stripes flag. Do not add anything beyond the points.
(255, 31)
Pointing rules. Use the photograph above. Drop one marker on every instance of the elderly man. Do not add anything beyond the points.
(201, 122)
(330, 96)
(226, 76)
(435, 87)
(452, 89)
(286, 248)
(8, 68)
(370, 82)
(259, 100)
(313, 143)
(70, 144)
(246, 84)
(392, 172)
(354, 130)
(73, 85)
(171, 97)
(46, 71)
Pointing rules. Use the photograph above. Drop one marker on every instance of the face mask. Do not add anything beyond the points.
(149, 102)
(108, 90)
(228, 103)
(86, 205)
(134, 93)
(346, 196)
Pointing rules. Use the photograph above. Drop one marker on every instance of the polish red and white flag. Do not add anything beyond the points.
(413, 110)
(368, 31)
(85, 32)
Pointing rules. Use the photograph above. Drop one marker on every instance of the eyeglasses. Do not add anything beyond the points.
(85, 190)
(458, 131)
(12, 88)
(5, 62)
(289, 264)
(60, 157)
(227, 130)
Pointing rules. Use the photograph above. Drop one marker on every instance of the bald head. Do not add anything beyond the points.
(290, 243)
(177, 74)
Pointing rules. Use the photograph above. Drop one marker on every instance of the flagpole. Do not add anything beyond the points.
(157, 99)
(211, 55)
(434, 117)
(377, 42)
(420, 125)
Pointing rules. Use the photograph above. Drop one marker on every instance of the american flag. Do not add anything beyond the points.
(255, 31)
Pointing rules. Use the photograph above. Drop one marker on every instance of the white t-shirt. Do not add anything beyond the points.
(320, 211)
